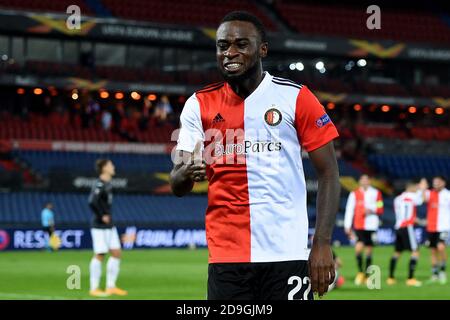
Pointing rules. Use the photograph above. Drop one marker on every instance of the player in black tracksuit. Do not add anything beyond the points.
(104, 234)
(100, 202)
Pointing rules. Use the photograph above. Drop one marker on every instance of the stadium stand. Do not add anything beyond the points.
(411, 166)
(332, 83)
(182, 12)
(44, 5)
(23, 208)
(346, 21)
(56, 126)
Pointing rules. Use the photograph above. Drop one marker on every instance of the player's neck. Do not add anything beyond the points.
(105, 177)
(245, 87)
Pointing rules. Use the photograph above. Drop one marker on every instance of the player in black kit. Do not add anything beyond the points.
(104, 235)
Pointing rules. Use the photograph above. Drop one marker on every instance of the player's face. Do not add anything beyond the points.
(364, 181)
(110, 168)
(438, 184)
(238, 50)
(413, 187)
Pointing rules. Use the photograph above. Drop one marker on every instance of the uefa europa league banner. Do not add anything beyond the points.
(54, 25)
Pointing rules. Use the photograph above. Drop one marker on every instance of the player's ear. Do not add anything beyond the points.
(263, 48)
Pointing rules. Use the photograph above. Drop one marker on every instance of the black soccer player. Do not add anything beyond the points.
(256, 220)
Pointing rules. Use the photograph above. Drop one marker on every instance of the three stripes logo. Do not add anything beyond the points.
(218, 118)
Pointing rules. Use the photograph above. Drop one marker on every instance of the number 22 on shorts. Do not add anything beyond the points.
(299, 286)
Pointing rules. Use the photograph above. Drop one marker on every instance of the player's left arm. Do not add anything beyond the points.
(321, 262)
(316, 133)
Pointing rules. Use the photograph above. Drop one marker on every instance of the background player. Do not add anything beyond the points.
(104, 235)
(48, 222)
(438, 227)
(256, 220)
(364, 206)
(405, 207)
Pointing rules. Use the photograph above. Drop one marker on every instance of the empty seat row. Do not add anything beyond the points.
(410, 166)
(347, 21)
(72, 209)
(46, 161)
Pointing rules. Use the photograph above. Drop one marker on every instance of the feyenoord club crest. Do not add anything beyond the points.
(272, 117)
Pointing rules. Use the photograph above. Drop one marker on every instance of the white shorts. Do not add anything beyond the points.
(104, 240)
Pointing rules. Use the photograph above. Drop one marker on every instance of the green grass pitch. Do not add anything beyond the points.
(182, 274)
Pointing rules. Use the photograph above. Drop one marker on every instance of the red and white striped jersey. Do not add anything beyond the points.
(438, 210)
(358, 202)
(257, 193)
(405, 207)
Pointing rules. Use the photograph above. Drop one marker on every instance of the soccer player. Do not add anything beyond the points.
(252, 129)
(364, 206)
(104, 235)
(48, 222)
(405, 206)
(438, 227)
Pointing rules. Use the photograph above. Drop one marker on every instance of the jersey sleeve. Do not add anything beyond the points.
(191, 129)
(379, 204)
(427, 195)
(349, 211)
(419, 197)
(314, 126)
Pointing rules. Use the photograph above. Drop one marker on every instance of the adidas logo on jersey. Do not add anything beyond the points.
(218, 118)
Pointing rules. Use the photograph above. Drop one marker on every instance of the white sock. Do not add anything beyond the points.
(95, 269)
(112, 272)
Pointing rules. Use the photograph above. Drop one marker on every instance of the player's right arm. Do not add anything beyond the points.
(189, 166)
(349, 213)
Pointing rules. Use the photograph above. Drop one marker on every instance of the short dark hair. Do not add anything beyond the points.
(412, 181)
(99, 164)
(248, 17)
(440, 177)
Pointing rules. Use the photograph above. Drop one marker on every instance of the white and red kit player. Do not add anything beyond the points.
(438, 227)
(364, 206)
(405, 207)
(253, 128)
